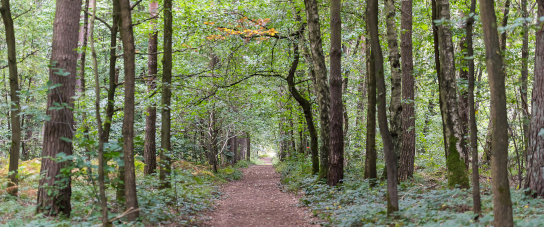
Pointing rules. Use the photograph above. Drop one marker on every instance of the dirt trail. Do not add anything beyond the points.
(256, 200)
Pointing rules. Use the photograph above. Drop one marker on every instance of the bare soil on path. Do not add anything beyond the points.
(256, 200)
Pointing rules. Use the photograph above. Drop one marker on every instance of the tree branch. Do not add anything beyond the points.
(22, 59)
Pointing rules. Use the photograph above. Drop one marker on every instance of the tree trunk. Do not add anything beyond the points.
(54, 198)
(345, 115)
(502, 204)
(166, 96)
(322, 88)
(406, 169)
(150, 150)
(395, 107)
(453, 140)
(535, 156)
(5, 10)
(306, 108)
(248, 145)
(371, 156)
(523, 78)
(127, 36)
(463, 98)
(336, 156)
(390, 158)
(477, 207)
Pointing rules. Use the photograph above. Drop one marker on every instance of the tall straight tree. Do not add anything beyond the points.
(150, 149)
(166, 96)
(477, 207)
(390, 158)
(55, 189)
(370, 157)
(535, 156)
(524, 77)
(453, 135)
(336, 156)
(129, 52)
(5, 10)
(463, 96)
(395, 107)
(406, 169)
(322, 88)
(502, 204)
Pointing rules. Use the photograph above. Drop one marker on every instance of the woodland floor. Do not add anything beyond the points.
(256, 200)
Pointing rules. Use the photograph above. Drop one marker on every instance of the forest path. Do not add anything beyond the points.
(256, 200)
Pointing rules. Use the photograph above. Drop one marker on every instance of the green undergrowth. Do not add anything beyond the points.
(423, 202)
(194, 189)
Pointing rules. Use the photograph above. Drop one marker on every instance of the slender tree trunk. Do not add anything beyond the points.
(248, 149)
(371, 156)
(306, 108)
(5, 10)
(390, 158)
(477, 204)
(166, 96)
(454, 137)
(322, 88)
(395, 107)
(150, 150)
(535, 155)
(102, 187)
(127, 36)
(336, 156)
(523, 79)
(80, 82)
(345, 110)
(55, 190)
(406, 169)
(502, 204)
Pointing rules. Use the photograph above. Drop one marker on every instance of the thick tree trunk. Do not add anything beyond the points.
(322, 88)
(5, 10)
(502, 204)
(406, 168)
(535, 156)
(371, 156)
(336, 156)
(477, 207)
(306, 108)
(166, 96)
(54, 198)
(150, 149)
(390, 158)
(453, 140)
(395, 107)
(127, 36)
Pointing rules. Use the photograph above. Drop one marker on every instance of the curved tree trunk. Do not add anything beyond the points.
(390, 158)
(453, 140)
(150, 149)
(61, 123)
(127, 36)
(406, 168)
(502, 204)
(321, 85)
(5, 10)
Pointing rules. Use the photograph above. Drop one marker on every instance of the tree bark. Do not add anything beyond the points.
(477, 204)
(463, 98)
(306, 108)
(336, 156)
(61, 123)
(535, 156)
(390, 158)
(453, 140)
(166, 96)
(502, 204)
(5, 10)
(371, 156)
(322, 88)
(248, 145)
(395, 107)
(150, 150)
(408, 148)
(127, 36)
(523, 79)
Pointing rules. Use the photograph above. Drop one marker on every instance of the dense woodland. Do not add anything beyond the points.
(406, 113)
